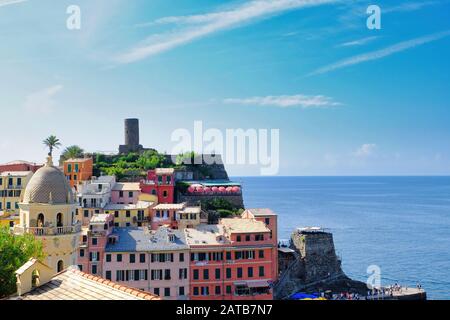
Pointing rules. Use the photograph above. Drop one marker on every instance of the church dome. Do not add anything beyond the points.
(49, 186)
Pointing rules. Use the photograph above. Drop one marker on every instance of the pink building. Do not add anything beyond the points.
(94, 240)
(160, 183)
(152, 261)
(126, 193)
(165, 214)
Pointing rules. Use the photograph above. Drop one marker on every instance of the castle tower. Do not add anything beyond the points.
(131, 137)
(48, 212)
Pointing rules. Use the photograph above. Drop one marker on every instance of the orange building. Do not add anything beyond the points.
(78, 170)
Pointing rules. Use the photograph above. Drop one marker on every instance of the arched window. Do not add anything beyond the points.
(59, 220)
(60, 266)
(40, 220)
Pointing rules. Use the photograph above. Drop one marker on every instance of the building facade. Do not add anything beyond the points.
(160, 183)
(78, 170)
(48, 212)
(126, 193)
(12, 186)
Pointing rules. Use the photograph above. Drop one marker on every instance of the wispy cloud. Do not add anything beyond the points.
(286, 101)
(358, 42)
(365, 150)
(410, 6)
(9, 2)
(199, 26)
(375, 55)
(42, 101)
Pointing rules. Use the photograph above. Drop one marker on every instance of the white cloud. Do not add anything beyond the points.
(200, 26)
(365, 150)
(358, 42)
(375, 55)
(42, 101)
(4, 3)
(410, 6)
(285, 101)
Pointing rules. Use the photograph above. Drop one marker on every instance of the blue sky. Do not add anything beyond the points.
(347, 100)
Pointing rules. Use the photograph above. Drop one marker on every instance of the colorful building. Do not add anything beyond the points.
(231, 261)
(161, 183)
(130, 215)
(93, 243)
(93, 196)
(165, 214)
(126, 193)
(19, 165)
(78, 170)
(152, 261)
(48, 212)
(12, 186)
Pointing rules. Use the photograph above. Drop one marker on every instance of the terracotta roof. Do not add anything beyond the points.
(127, 186)
(72, 284)
(164, 171)
(238, 225)
(262, 212)
(170, 206)
(79, 160)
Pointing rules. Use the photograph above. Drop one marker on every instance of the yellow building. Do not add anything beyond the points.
(12, 186)
(130, 215)
(48, 212)
(9, 219)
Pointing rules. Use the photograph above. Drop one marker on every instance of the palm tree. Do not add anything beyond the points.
(52, 143)
(72, 152)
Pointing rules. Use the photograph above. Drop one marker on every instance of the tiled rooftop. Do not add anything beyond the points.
(139, 205)
(15, 173)
(170, 206)
(206, 235)
(141, 239)
(75, 285)
(127, 186)
(238, 225)
(99, 218)
(262, 212)
(164, 171)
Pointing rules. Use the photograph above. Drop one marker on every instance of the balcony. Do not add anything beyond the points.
(48, 231)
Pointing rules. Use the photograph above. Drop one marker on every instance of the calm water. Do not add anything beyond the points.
(401, 224)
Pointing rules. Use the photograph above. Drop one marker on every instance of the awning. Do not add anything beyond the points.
(258, 284)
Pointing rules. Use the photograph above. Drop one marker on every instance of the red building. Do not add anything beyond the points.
(234, 260)
(160, 183)
(19, 165)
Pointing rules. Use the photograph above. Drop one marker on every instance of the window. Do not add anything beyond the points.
(132, 258)
(94, 269)
(261, 272)
(128, 224)
(120, 275)
(183, 274)
(81, 253)
(128, 213)
(156, 291)
(196, 291)
(206, 274)
(119, 258)
(120, 194)
(94, 241)
(228, 256)
(238, 238)
(167, 292)
(205, 291)
(217, 274)
(239, 273)
(108, 258)
(261, 254)
(69, 168)
(77, 167)
(169, 179)
(228, 273)
(130, 194)
(80, 267)
(93, 256)
(86, 213)
(116, 214)
(108, 275)
(142, 258)
(181, 291)
(229, 290)
(259, 237)
(157, 275)
(196, 274)
(165, 194)
(218, 290)
(247, 238)
(238, 255)
(250, 272)
(181, 257)
(75, 178)
(267, 221)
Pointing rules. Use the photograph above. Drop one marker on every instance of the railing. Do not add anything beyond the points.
(48, 231)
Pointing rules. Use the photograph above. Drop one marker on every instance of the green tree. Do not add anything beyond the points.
(72, 152)
(15, 251)
(52, 142)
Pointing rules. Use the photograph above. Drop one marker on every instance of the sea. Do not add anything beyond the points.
(399, 224)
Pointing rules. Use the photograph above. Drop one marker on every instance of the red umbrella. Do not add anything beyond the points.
(191, 189)
(215, 189)
(207, 190)
(222, 189)
(236, 189)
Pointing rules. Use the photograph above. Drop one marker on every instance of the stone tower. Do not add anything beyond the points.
(48, 212)
(131, 137)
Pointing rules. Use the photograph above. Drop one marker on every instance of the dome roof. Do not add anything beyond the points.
(48, 185)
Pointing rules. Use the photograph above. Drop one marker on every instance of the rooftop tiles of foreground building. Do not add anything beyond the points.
(35, 281)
